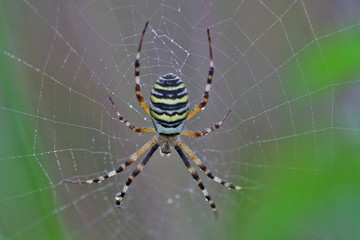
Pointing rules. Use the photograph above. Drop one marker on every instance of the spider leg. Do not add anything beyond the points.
(137, 74)
(133, 158)
(208, 84)
(196, 178)
(120, 196)
(208, 172)
(206, 131)
(127, 123)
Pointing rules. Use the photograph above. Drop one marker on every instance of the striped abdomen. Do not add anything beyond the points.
(169, 105)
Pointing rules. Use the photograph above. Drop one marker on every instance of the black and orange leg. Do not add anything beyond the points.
(133, 158)
(137, 74)
(120, 196)
(127, 123)
(206, 131)
(196, 177)
(202, 166)
(208, 83)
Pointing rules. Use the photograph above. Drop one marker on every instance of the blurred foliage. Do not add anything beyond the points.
(16, 140)
(309, 195)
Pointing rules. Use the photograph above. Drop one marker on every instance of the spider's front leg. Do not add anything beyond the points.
(132, 159)
(120, 196)
(202, 166)
(196, 177)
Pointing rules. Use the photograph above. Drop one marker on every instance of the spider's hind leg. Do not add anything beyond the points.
(137, 74)
(208, 83)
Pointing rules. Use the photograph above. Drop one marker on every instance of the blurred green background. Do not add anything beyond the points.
(290, 72)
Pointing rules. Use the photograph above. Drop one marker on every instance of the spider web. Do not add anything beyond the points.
(289, 70)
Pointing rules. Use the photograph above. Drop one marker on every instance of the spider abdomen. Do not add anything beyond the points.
(169, 105)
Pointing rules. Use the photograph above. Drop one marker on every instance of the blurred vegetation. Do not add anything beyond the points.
(324, 191)
(16, 140)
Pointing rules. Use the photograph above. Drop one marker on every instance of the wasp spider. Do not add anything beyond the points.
(169, 110)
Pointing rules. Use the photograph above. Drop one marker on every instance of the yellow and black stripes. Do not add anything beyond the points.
(196, 177)
(169, 105)
(120, 196)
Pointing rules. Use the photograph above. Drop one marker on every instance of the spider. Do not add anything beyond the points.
(169, 111)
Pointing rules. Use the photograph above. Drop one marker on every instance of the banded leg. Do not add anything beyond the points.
(133, 158)
(127, 123)
(206, 131)
(207, 171)
(137, 74)
(197, 178)
(208, 84)
(120, 196)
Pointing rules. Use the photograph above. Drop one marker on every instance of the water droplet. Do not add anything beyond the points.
(117, 196)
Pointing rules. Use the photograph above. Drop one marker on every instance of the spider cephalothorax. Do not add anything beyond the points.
(169, 111)
(167, 144)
